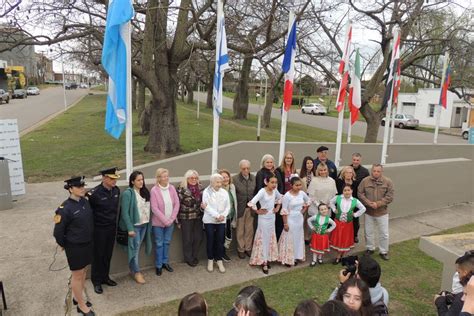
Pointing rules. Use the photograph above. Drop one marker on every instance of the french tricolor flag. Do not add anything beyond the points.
(289, 66)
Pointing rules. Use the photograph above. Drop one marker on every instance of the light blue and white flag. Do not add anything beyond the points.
(222, 60)
(115, 57)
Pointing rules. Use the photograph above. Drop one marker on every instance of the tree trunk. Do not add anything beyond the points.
(141, 101)
(164, 128)
(134, 93)
(190, 98)
(267, 112)
(373, 120)
(209, 95)
(241, 100)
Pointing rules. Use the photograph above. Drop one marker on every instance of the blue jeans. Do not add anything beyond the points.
(215, 240)
(162, 244)
(140, 232)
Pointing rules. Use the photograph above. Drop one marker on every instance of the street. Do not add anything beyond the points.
(36, 108)
(330, 123)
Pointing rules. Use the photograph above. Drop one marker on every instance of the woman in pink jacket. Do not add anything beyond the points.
(164, 206)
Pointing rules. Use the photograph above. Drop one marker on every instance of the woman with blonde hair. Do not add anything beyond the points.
(190, 216)
(348, 177)
(231, 221)
(286, 169)
(164, 206)
(321, 189)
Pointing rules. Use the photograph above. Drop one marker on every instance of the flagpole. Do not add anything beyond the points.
(349, 129)
(392, 124)
(284, 114)
(222, 64)
(128, 126)
(438, 108)
(388, 111)
(340, 118)
(259, 122)
(199, 90)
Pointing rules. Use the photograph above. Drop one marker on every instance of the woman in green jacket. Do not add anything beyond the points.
(135, 218)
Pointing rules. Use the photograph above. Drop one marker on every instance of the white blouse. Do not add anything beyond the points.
(143, 209)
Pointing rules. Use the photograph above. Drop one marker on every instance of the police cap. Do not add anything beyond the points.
(75, 182)
(111, 173)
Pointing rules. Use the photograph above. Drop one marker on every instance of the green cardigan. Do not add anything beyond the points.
(128, 216)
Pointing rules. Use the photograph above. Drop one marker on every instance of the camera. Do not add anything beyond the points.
(448, 295)
(350, 264)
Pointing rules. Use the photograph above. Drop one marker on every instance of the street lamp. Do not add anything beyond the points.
(63, 75)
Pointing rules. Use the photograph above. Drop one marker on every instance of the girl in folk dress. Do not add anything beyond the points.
(321, 224)
(343, 206)
(265, 247)
(294, 205)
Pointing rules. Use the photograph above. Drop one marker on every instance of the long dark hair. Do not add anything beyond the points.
(144, 193)
(366, 307)
(303, 171)
(251, 299)
(192, 304)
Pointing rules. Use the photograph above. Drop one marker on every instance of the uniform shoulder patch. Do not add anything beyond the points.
(57, 219)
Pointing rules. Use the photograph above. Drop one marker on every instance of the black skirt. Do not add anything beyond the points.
(79, 255)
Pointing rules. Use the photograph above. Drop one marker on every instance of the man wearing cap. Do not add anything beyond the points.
(322, 153)
(104, 200)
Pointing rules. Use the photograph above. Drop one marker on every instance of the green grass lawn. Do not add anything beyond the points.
(76, 143)
(411, 278)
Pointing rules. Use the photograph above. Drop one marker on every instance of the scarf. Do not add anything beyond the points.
(195, 191)
(309, 177)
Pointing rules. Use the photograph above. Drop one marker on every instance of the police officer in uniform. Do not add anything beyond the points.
(104, 200)
(73, 231)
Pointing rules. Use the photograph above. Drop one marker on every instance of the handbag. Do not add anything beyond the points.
(122, 235)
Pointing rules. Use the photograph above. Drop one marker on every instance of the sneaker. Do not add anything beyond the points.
(369, 252)
(320, 261)
(210, 265)
(225, 257)
(312, 264)
(384, 256)
(220, 265)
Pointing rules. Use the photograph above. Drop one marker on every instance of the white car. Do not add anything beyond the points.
(83, 86)
(403, 121)
(314, 108)
(33, 91)
(465, 130)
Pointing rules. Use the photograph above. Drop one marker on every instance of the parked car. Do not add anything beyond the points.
(19, 94)
(404, 120)
(33, 91)
(314, 108)
(70, 85)
(4, 96)
(465, 130)
(83, 86)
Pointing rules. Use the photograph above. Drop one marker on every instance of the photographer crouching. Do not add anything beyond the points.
(451, 303)
(368, 270)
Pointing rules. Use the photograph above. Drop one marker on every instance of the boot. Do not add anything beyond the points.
(220, 265)
(210, 265)
(139, 278)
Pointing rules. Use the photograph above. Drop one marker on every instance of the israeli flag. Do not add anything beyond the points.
(222, 60)
(116, 60)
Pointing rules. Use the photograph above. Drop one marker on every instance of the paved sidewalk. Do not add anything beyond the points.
(27, 249)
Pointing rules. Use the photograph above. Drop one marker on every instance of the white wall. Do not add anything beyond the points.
(423, 98)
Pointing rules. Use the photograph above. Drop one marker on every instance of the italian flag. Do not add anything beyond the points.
(355, 90)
